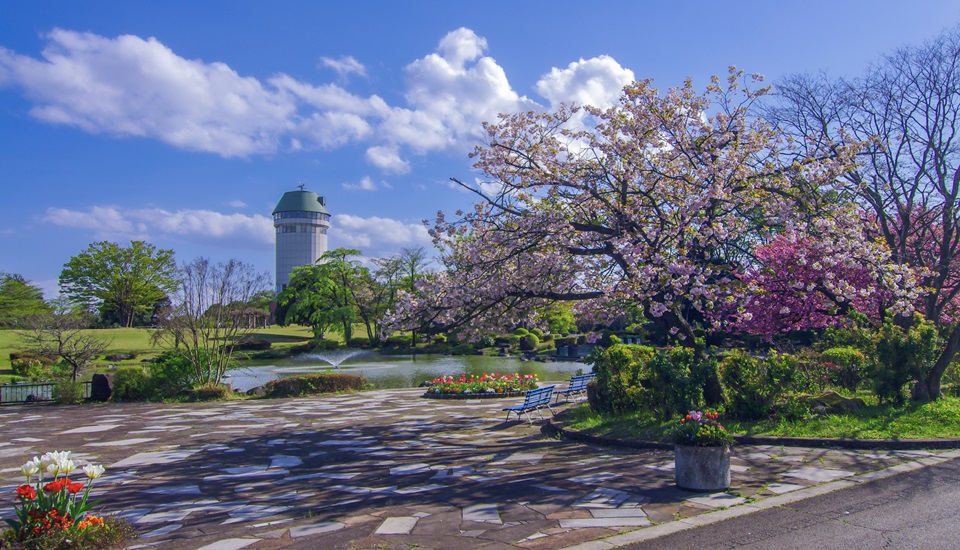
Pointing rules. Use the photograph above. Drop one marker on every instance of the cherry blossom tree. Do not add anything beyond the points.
(658, 202)
(905, 111)
(801, 282)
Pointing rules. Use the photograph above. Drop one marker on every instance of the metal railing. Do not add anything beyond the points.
(33, 391)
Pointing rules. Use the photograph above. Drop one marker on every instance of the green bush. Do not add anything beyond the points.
(321, 344)
(902, 355)
(68, 392)
(674, 381)
(171, 375)
(210, 392)
(537, 332)
(619, 370)
(530, 342)
(129, 384)
(753, 387)
(520, 331)
(29, 367)
(358, 342)
(252, 345)
(312, 384)
(847, 366)
(398, 341)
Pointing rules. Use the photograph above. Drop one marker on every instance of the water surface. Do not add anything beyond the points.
(403, 371)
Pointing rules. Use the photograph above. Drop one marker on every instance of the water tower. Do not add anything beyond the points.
(301, 220)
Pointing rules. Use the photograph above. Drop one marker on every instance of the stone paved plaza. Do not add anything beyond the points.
(383, 469)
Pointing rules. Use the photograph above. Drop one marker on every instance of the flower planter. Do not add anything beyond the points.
(702, 468)
(483, 395)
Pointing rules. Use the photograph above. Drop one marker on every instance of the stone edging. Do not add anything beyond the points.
(889, 444)
(485, 395)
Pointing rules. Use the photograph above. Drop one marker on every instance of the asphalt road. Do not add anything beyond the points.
(919, 509)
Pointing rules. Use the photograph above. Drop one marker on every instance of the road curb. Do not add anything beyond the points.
(670, 527)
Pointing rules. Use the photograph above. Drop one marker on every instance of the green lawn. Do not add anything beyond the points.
(137, 340)
(937, 420)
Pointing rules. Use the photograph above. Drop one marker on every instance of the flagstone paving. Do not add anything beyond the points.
(382, 469)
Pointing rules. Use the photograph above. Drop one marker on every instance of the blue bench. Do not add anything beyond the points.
(577, 389)
(534, 400)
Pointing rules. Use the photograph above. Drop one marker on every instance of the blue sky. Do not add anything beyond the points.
(182, 123)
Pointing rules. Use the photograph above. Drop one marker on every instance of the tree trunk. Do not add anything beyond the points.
(929, 388)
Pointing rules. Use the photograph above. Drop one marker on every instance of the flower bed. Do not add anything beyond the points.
(53, 512)
(479, 387)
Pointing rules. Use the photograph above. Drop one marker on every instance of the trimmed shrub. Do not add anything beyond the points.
(252, 345)
(530, 342)
(753, 386)
(520, 331)
(68, 392)
(398, 341)
(130, 384)
(301, 348)
(619, 370)
(846, 366)
(358, 342)
(537, 332)
(674, 381)
(313, 384)
(210, 392)
(322, 344)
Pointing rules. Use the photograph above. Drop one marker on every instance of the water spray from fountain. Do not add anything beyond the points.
(333, 357)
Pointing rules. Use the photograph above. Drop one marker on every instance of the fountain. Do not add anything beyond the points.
(333, 357)
(400, 371)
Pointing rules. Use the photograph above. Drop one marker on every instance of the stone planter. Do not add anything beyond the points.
(705, 469)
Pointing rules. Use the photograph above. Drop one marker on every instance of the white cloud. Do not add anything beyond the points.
(104, 221)
(344, 66)
(375, 236)
(598, 81)
(237, 204)
(387, 158)
(452, 92)
(365, 184)
(131, 86)
(112, 223)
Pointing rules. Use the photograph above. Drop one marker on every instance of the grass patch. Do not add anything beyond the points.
(137, 341)
(937, 420)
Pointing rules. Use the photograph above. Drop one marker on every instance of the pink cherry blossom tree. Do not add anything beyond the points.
(659, 202)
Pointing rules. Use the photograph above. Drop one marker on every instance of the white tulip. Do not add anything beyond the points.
(30, 468)
(93, 471)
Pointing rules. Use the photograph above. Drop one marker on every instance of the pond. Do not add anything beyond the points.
(401, 371)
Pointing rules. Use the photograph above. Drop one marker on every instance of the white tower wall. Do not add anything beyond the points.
(301, 221)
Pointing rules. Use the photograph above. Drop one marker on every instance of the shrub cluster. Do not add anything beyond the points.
(168, 376)
(754, 387)
(312, 384)
(68, 392)
(676, 380)
(252, 345)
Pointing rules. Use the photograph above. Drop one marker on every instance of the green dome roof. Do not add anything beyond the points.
(301, 201)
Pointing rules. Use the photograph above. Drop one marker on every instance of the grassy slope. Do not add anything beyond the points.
(940, 419)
